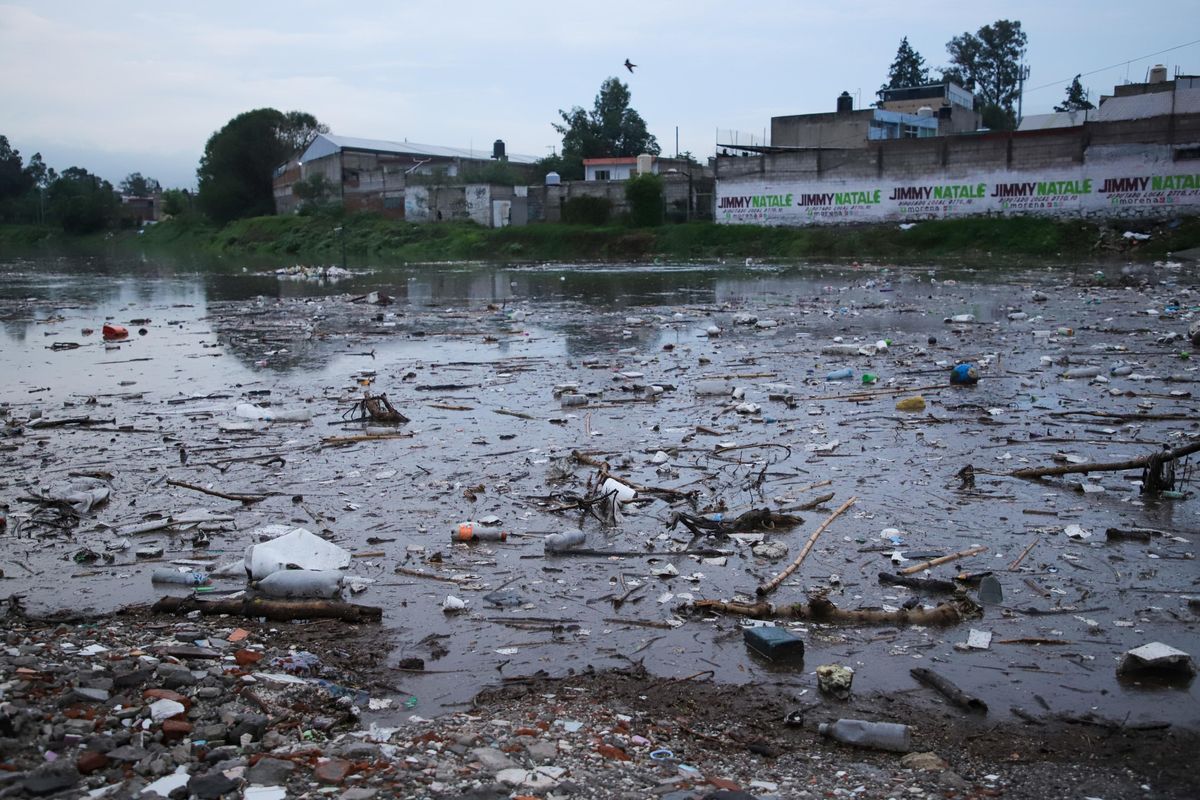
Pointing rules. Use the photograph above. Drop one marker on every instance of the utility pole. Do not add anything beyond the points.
(1022, 76)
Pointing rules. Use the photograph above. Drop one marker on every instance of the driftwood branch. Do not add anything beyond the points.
(935, 562)
(245, 499)
(920, 584)
(271, 609)
(772, 584)
(820, 609)
(1154, 461)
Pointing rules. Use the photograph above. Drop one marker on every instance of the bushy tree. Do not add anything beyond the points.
(82, 202)
(645, 196)
(239, 161)
(176, 201)
(908, 69)
(1077, 99)
(135, 185)
(610, 129)
(313, 190)
(14, 181)
(989, 63)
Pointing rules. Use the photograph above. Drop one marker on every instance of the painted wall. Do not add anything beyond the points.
(1127, 187)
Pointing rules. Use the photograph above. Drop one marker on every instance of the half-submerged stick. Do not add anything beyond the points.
(771, 585)
(970, 551)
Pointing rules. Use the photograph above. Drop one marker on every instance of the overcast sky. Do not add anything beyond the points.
(118, 87)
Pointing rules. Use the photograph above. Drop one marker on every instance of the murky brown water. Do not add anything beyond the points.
(464, 342)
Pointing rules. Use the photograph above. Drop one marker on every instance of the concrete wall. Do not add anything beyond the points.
(1131, 169)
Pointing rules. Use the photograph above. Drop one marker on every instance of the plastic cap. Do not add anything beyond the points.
(823, 728)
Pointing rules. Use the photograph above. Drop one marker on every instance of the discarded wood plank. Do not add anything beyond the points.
(1032, 640)
(641, 623)
(811, 504)
(920, 584)
(517, 414)
(772, 584)
(244, 499)
(42, 424)
(1131, 534)
(821, 609)
(935, 562)
(448, 407)
(271, 609)
(338, 441)
(948, 690)
(416, 573)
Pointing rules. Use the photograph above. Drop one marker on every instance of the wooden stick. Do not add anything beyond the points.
(271, 609)
(1017, 561)
(948, 690)
(771, 585)
(334, 441)
(970, 551)
(245, 499)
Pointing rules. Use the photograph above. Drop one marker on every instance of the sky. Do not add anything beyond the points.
(121, 87)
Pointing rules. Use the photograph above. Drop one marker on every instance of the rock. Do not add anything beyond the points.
(151, 695)
(493, 760)
(929, 762)
(132, 679)
(357, 751)
(210, 786)
(90, 761)
(270, 771)
(89, 695)
(127, 752)
(952, 780)
(175, 729)
(253, 724)
(333, 771)
(542, 752)
(175, 677)
(50, 778)
(357, 793)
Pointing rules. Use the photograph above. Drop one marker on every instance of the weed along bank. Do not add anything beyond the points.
(1125, 164)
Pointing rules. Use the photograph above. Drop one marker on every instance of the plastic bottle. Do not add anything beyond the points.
(569, 400)
(880, 735)
(301, 583)
(567, 540)
(869, 378)
(183, 578)
(1119, 370)
(960, 318)
(710, 386)
(840, 350)
(250, 411)
(1065, 331)
(1082, 372)
(840, 374)
(474, 532)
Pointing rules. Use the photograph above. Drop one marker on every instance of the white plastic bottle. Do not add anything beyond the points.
(880, 735)
(567, 540)
(301, 583)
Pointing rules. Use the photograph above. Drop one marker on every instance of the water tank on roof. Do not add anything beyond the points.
(1158, 74)
(845, 103)
(553, 179)
(645, 164)
(498, 149)
(924, 111)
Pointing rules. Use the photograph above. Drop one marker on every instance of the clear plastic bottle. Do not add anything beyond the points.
(862, 733)
(474, 532)
(567, 540)
(840, 374)
(182, 578)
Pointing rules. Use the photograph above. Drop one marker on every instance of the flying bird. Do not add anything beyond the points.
(629, 65)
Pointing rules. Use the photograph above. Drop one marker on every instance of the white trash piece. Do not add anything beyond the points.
(452, 604)
(566, 540)
(302, 583)
(292, 548)
(711, 387)
(250, 411)
(624, 494)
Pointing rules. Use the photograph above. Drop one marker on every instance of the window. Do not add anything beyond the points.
(602, 175)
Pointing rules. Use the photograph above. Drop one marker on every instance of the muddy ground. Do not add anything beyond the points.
(472, 356)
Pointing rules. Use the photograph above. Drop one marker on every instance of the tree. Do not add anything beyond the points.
(239, 161)
(645, 196)
(14, 181)
(1077, 99)
(176, 201)
(313, 191)
(989, 63)
(135, 185)
(81, 201)
(908, 69)
(610, 129)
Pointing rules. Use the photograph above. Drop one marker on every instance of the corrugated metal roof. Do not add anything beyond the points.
(327, 144)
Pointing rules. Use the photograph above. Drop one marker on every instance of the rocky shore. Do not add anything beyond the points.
(139, 705)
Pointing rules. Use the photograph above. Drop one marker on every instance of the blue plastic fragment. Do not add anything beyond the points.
(964, 375)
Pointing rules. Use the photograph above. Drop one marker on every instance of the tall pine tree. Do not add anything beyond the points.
(908, 69)
(1077, 99)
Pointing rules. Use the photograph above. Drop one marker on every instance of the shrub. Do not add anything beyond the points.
(645, 196)
(587, 211)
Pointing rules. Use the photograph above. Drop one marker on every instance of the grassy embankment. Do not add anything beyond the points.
(316, 239)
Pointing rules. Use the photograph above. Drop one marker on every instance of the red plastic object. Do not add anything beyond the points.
(114, 332)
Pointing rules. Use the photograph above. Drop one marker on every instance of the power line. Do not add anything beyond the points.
(1113, 66)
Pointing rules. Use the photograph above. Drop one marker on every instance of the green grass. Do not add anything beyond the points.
(317, 238)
